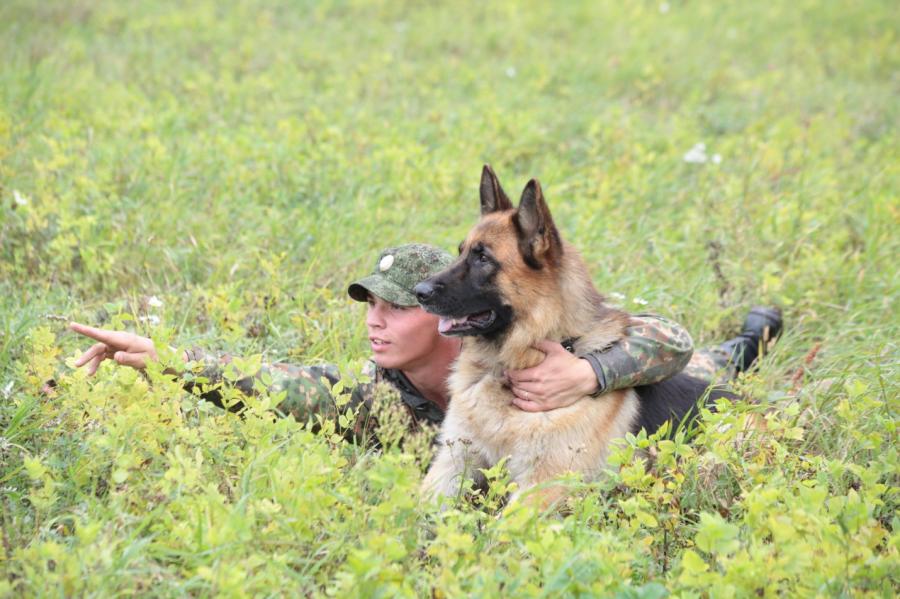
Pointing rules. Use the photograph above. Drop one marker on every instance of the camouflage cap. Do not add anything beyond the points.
(398, 270)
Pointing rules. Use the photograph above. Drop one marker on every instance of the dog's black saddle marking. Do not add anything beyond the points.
(675, 399)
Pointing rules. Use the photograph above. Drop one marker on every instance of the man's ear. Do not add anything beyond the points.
(538, 238)
(492, 196)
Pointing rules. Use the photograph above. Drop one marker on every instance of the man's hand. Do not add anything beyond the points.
(559, 381)
(127, 349)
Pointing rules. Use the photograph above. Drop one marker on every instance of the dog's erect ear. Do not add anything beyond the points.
(538, 238)
(492, 196)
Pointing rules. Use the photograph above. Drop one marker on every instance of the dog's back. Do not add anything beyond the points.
(676, 400)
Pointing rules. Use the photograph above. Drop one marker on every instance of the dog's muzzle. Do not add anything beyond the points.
(426, 291)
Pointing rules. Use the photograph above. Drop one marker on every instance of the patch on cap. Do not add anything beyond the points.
(386, 263)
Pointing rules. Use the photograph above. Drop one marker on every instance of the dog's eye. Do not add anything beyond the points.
(481, 257)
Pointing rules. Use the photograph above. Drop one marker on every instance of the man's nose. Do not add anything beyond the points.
(426, 290)
(374, 317)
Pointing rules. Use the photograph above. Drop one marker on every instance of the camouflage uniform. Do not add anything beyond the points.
(713, 364)
(653, 349)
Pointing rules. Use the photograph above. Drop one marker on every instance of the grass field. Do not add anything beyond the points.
(241, 162)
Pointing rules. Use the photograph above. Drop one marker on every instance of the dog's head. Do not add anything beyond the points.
(504, 264)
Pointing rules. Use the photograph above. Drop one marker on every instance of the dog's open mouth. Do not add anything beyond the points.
(473, 323)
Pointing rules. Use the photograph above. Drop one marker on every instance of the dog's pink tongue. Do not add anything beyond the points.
(444, 325)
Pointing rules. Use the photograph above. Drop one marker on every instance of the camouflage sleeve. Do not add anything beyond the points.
(653, 349)
(307, 390)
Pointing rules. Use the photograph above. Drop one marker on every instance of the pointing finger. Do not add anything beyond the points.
(113, 338)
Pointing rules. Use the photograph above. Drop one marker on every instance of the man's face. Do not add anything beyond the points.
(402, 337)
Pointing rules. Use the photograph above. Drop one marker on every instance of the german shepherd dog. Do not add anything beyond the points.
(515, 283)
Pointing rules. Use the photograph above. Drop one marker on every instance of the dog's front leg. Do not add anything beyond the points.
(534, 480)
(541, 498)
(455, 464)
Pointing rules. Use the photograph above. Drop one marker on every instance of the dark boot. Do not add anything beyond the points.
(761, 326)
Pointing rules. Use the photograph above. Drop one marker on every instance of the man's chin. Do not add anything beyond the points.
(385, 361)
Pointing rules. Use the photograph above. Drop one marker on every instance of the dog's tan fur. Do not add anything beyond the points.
(482, 426)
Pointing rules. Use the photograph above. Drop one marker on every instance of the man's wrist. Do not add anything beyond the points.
(599, 375)
(175, 370)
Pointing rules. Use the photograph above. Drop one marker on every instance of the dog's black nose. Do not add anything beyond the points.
(425, 291)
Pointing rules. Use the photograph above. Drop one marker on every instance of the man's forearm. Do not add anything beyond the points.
(306, 389)
(653, 349)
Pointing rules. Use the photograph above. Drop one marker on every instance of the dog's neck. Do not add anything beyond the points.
(496, 356)
(514, 349)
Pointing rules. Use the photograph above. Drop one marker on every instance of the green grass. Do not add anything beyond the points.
(242, 162)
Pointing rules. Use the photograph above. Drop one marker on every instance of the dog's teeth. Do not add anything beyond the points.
(445, 324)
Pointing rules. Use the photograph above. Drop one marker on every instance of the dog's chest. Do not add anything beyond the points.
(485, 399)
(480, 409)
(483, 415)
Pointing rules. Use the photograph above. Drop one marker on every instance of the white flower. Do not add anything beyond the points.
(511, 71)
(664, 7)
(717, 158)
(153, 319)
(640, 301)
(697, 154)
(616, 296)
(154, 302)
(19, 199)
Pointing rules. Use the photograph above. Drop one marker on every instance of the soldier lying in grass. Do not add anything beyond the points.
(413, 358)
